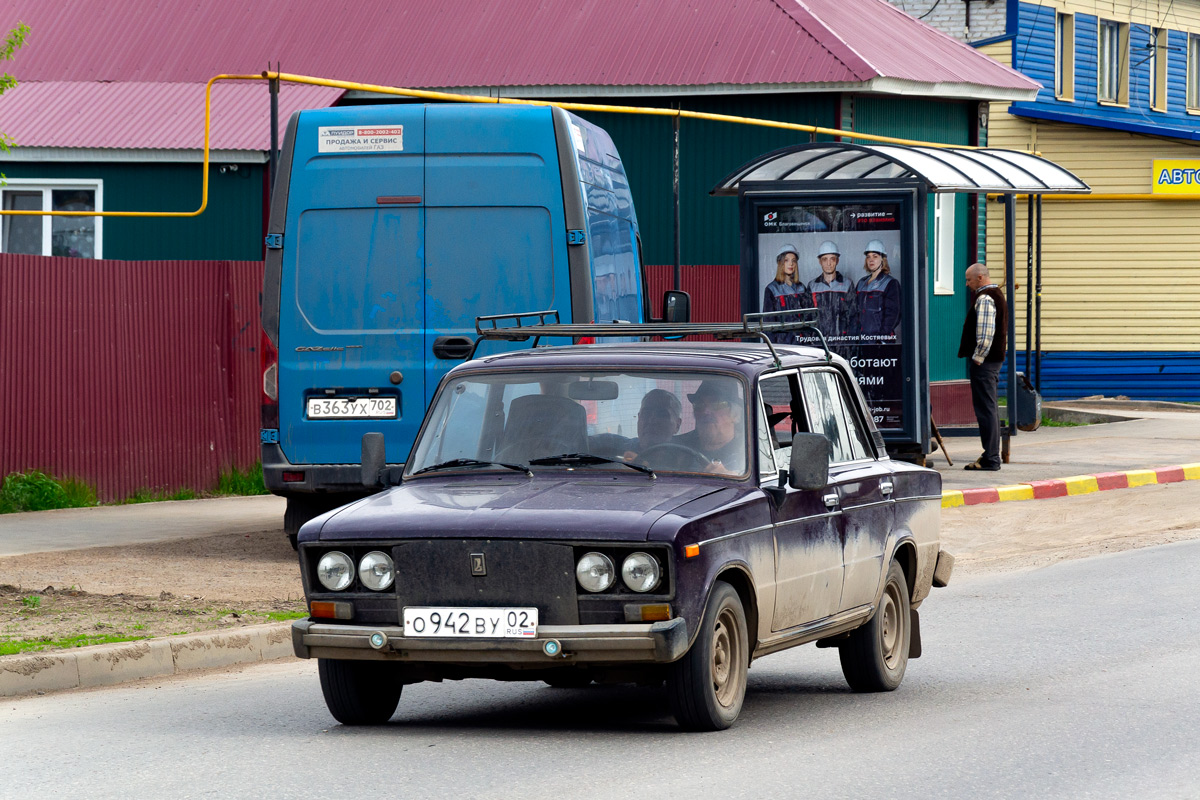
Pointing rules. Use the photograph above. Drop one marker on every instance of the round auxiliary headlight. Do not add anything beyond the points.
(376, 571)
(335, 571)
(595, 572)
(641, 572)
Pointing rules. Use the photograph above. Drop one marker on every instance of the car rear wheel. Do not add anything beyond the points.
(707, 686)
(359, 692)
(875, 656)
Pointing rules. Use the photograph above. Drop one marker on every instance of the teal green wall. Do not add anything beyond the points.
(948, 122)
(708, 151)
(231, 227)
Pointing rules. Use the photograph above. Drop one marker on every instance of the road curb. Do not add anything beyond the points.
(1065, 487)
(109, 664)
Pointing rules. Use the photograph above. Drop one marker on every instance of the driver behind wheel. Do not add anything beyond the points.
(719, 434)
(658, 421)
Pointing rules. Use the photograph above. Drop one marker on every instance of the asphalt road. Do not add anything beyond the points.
(1072, 681)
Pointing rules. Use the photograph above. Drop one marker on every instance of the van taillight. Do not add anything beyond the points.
(269, 361)
(585, 340)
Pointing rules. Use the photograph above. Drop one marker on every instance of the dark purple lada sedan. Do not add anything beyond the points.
(656, 512)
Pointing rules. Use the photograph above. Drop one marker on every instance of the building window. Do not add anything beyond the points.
(943, 243)
(1064, 56)
(1193, 72)
(74, 237)
(1159, 59)
(1112, 80)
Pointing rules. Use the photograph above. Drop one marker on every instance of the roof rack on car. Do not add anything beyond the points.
(536, 324)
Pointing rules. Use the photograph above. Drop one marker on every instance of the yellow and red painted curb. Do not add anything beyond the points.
(1065, 487)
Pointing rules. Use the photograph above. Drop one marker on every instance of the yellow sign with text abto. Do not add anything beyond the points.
(1176, 176)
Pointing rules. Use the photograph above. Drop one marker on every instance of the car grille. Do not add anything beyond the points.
(517, 573)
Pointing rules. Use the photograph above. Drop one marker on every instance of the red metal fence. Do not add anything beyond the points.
(715, 290)
(129, 375)
(134, 375)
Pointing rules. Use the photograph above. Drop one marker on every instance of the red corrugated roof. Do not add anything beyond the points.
(490, 43)
(149, 115)
(468, 43)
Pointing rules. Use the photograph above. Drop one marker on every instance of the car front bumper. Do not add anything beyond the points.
(644, 643)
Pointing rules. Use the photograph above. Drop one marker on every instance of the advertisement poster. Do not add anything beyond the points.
(846, 260)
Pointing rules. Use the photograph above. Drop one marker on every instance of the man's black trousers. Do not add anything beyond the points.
(984, 379)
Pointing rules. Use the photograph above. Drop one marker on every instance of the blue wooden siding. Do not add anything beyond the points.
(1034, 55)
(1137, 375)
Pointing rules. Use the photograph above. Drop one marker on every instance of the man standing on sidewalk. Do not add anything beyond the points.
(984, 341)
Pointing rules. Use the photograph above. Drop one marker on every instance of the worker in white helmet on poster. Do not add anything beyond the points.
(878, 294)
(833, 295)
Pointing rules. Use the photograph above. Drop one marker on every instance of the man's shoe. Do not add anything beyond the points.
(978, 465)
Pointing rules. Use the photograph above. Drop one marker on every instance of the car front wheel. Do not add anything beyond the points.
(875, 656)
(707, 686)
(359, 692)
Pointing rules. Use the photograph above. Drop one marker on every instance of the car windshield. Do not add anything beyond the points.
(667, 421)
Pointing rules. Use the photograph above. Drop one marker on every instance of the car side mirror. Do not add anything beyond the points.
(677, 306)
(809, 467)
(373, 460)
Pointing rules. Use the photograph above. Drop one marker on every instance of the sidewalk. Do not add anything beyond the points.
(1151, 439)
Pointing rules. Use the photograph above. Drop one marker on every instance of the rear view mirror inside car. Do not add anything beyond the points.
(592, 390)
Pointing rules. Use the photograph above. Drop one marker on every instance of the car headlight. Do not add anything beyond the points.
(641, 572)
(335, 571)
(595, 572)
(376, 571)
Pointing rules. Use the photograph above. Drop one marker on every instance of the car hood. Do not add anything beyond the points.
(545, 507)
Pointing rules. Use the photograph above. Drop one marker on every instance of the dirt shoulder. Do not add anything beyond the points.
(146, 590)
(219, 582)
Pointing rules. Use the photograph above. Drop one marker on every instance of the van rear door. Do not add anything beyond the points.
(495, 225)
(353, 274)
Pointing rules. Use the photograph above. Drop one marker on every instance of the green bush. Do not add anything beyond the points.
(37, 491)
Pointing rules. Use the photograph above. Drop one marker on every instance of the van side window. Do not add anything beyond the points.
(828, 413)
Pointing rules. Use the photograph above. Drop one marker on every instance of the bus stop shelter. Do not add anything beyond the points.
(810, 179)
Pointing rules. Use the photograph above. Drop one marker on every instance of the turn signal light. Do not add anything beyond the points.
(692, 550)
(325, 609)
(656, 613)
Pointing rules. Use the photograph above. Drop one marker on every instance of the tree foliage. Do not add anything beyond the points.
(13, 41)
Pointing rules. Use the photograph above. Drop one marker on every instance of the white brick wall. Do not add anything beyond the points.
(950, 16)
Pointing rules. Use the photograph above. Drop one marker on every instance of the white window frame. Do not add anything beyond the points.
(943, 242)
(1112, 63)
(1064, 56)
(47, 186)
(1160, 62)
(1193, 73)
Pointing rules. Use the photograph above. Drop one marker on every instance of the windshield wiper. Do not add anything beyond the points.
(587, 458)
(473, 462)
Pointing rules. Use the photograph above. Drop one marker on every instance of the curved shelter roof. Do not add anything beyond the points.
(943, 169)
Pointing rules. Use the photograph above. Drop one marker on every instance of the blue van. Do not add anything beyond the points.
(392, 228)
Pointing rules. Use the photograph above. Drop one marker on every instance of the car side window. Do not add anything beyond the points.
(783, 410)
(825, 400)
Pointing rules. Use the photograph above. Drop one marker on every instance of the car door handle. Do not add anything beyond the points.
(831, 500)
(452, 348)
(886, 487)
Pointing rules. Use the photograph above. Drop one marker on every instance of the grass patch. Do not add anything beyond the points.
(10, 647)
(279, 616)
(32, 601)
(241, 483)
(154, 496)
(1057, 423)
(36, 491)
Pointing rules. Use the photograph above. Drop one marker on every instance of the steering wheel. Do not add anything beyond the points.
(672, 455)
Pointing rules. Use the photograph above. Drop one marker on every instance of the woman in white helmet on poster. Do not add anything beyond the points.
(786, 292)
(878, 294)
